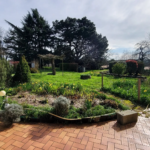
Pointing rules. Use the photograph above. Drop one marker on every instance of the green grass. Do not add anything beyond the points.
(123, 87)
(69, 77)
(68, 84)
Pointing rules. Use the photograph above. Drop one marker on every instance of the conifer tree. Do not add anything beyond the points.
(5, 73)
(22, 74)
(31, 39)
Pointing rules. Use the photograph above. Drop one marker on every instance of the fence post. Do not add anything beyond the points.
(102, 80)
(139, 85)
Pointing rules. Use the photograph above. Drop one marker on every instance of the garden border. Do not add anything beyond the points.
(99, 118)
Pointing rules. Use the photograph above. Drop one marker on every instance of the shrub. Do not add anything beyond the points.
(69, 66)
(61, 106)
(132, 66)
(39, 112)
(119, 68)
(22, 74)
(5, 73)
(140, 67)
(111, 65)
(34, 70)
(11, 113)
(98, 110)
(74, 113)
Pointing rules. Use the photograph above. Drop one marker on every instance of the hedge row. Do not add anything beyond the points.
(69, 66)
(132, 67)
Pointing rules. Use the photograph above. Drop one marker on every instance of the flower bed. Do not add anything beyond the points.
(52, 117)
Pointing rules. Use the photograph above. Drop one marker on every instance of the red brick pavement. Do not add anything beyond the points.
(98, 136)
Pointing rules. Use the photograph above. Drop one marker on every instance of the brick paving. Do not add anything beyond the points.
(93, 136)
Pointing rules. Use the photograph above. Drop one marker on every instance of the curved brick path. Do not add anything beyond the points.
(97, 136)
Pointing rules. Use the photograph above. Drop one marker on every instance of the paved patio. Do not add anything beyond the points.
(98, 136)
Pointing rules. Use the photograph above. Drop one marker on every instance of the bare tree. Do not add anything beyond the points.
(127, 55)
(143, 50)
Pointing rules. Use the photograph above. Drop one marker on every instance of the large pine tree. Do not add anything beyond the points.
(34, 37)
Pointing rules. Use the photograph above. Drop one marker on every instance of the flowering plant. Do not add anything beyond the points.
(3, 94)
(88, 103)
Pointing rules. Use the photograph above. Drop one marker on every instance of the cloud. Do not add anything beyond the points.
(123, 22)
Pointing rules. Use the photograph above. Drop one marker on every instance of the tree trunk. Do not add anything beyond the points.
(53, 67)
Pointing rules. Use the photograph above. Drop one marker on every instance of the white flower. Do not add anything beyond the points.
(2, 93)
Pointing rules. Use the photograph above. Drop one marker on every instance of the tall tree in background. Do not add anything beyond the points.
(2, 33)
(77, 38)
(32, 38)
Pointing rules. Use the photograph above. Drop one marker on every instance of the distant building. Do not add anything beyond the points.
(11, 62)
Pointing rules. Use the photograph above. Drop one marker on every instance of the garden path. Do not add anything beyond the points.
(95, 136)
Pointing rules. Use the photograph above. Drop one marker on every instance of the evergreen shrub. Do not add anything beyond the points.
(6, 71)
(140, 69)
(11, 113)
(111, 65)
(69, 66)
(119, 68)
(23, 73)
(61, 106)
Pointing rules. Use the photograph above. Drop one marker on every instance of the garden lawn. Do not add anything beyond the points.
(123, 87)
(70, 78)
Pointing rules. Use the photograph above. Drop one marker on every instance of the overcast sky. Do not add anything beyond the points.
(123, 22)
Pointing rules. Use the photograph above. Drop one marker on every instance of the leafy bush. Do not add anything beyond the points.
(5, 73)
(69, 66)
(61, 106)
(119, 68)
(34, 70)
(11, 113)
(132, 66)
(22, 74)
(111, 64)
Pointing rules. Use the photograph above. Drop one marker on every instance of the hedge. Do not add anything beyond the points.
(69, 66)
(132, 66)
(140, 69)
(111, 65)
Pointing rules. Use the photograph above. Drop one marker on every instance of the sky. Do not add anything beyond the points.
(123, 22)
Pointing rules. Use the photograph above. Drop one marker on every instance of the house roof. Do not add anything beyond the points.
(13, 62)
